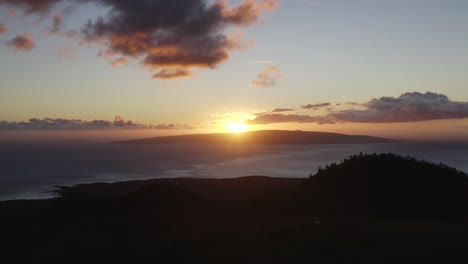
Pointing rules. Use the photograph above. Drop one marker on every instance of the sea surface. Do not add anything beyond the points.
(30, 170)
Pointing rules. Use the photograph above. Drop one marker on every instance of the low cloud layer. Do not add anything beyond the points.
(23, 42)
(315, 106)
(76, 124)
(170, 74)
(267, 78)
(160, 34)
(3, 28)
(270, 118)
(408, 107)
(280, 110)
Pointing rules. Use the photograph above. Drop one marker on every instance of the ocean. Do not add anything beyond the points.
(30, 170)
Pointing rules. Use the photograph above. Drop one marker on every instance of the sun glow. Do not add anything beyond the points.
(236, 127)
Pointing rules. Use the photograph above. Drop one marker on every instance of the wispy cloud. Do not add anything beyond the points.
(271, 118)
(170, 74)
(315, 106)
(119, 61)
(23, 42)
(66, 52)
(3, 28)
(280, 110)
(267, 78)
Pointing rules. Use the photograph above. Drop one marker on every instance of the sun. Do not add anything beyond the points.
(236, 127)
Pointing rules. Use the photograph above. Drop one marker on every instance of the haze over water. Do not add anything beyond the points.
(29, 170)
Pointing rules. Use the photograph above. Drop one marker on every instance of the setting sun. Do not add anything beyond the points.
(236, 127)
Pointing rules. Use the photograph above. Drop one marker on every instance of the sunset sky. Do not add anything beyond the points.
(385, 68)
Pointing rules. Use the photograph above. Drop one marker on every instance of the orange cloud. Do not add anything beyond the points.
(23, 42)
(267, 78)
(3, 28)
(119, 61)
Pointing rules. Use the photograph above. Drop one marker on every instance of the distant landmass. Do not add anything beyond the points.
(366, 209)
(263, 137)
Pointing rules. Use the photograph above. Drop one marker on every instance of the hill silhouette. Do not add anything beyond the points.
(263, 137)
(386, 185)
(367, 209)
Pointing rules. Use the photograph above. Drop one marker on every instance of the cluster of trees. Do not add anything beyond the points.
(387, 157)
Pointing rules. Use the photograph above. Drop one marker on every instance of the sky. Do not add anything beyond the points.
(385, 68)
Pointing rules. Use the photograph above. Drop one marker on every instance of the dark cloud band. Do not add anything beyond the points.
(76, 124)
(162, 34)
(314, 106)
(408, 107)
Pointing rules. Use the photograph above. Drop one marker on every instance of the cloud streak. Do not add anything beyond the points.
(77, 124)
(267, 78)
(315, 106)
(271, 118)
(280, 110)
(170, 74)
(408, 107)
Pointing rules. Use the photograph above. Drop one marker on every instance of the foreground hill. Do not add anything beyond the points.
(367, 209)
(263, 137)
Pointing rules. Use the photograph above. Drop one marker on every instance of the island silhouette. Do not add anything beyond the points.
(263, 137)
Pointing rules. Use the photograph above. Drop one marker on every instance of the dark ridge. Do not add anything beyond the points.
(386, 186)
(367, 209)
(263, 137)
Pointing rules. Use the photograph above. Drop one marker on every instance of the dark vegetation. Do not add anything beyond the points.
(367, 209)
(263, 137)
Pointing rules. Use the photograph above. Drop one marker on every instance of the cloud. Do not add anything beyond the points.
(315, 106)
(57, 25)
(408, 107)
(351, 103)
(268, 118)
(24, 42)
(119, 61)
(279, 110)
(30, 6)
(3, 28)
(267, 78)
(169, 74)
(77, 124)
(163, 34)
(66, 52)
